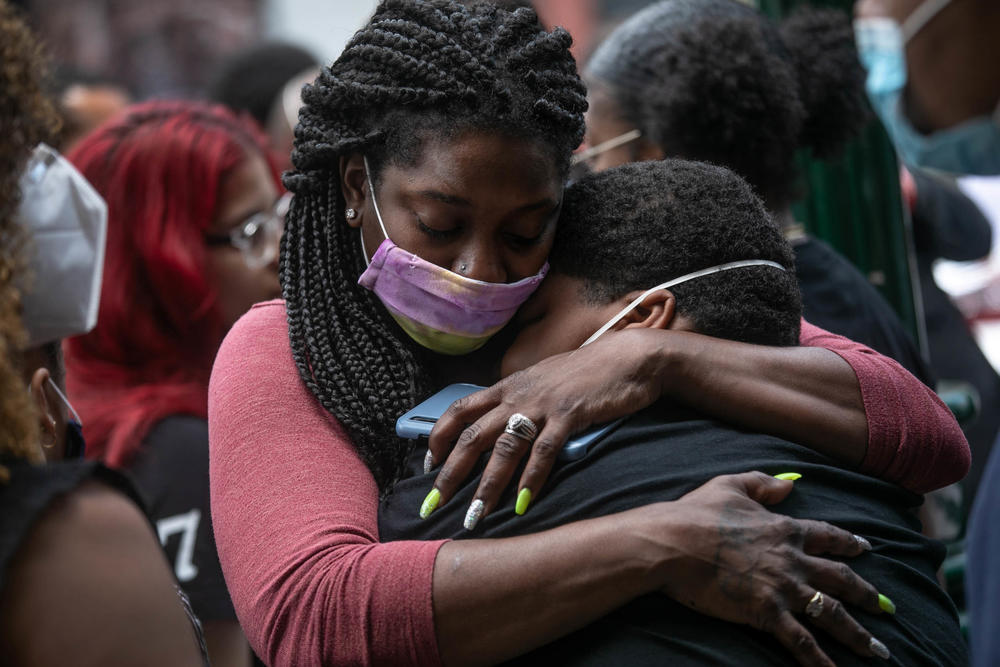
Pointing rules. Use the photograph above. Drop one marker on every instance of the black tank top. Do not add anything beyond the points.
(30, 491)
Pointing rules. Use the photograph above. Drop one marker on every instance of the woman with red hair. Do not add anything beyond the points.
(194, 219)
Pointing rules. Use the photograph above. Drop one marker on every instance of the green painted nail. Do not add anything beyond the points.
(430, 503)
(886, 605)
(523, 499)
(790, 476)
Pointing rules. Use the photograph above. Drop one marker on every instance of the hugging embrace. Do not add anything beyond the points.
(442, 136)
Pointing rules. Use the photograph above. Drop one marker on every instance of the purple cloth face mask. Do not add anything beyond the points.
(440, 309)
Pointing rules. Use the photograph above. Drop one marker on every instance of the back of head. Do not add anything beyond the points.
(252, 79)
(639, 225)
(26, 118)
(417, 70)
(159, 167)
(718, 81)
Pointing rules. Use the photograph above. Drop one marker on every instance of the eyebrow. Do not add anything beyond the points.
(454, 200)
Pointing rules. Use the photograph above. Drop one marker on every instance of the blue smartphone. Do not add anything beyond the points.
(418, 422)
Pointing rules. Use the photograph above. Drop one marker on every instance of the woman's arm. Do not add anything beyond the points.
(295, 516)
(913, 438)
(836, 396)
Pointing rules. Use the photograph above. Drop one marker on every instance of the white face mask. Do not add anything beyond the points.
(677, 281)
(67, 222)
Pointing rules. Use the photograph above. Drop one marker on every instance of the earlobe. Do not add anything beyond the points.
(353, 183)
(655, 311)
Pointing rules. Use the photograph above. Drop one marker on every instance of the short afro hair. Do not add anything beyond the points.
(717, 80)
(641, 224)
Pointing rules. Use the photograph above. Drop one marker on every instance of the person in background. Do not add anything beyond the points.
(60, 287)
(85, 101)
(192, 243)
(934, 79)
(720, 82)
(266, 82)
(75, 547)
(949, 225)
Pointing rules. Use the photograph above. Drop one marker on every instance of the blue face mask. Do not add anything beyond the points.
(973, 147)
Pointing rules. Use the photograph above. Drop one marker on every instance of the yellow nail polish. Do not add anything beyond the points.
(430, 503)
(523, 499)
(790, 476)
(886, 605)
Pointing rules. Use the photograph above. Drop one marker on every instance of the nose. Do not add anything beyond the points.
(482, 261)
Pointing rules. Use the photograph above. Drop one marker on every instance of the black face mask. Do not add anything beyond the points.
(76, 446)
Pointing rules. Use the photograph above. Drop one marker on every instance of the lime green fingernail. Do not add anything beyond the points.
(790, 476)
(523, 499)
(886, 605)
(430, 503)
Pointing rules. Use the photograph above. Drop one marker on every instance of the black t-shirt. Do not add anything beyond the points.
(32, 489)
(836, 297)
(653, 457)
(171, 472)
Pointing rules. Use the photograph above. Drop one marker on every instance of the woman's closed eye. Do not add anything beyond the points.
(438, 232)
(522, 242)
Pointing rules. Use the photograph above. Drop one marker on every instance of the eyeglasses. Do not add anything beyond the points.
(603, 147)
(258, 237)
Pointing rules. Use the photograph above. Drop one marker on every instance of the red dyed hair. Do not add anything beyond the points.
(160, 166)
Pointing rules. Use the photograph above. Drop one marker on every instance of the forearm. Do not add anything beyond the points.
(809, 395)
(495, 599)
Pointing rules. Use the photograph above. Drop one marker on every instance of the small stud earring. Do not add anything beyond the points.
(462, 268)
(350, 214)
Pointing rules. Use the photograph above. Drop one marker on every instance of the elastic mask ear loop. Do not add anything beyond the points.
(378, 215)
(920, 17)
(62, 397)
(677, 281)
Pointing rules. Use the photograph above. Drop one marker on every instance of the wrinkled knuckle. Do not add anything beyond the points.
(546, 448)
(788, 586)
(845, 572)
(508, 447)
(458, 406)
(469, 437)
(793, 529)
(768, 605)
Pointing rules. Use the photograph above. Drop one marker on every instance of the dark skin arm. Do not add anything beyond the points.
(495, 599)
(90, 586)
(804, 394)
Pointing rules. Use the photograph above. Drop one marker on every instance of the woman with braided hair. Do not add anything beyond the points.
(429, 163)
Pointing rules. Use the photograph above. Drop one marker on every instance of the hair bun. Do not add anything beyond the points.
(820, 44)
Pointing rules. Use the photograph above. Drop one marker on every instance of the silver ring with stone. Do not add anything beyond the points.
(815, 606)
(522, 427)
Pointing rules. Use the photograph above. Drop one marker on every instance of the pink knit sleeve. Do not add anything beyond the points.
(913, 439)
(294, 511)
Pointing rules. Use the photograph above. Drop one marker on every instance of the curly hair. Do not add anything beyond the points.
(26, 118)
(716, 80)
(418, 70)
(641, 224)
